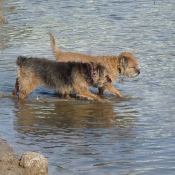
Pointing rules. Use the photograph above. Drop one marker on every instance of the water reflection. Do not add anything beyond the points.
(33, 115)
(77, 136)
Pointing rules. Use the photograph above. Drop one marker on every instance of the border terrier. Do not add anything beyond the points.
(125, 64)
(60, 76)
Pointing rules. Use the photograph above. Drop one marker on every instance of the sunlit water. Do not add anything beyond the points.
(134, 135)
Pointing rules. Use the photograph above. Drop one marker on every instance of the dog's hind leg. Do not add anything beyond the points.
(15, 91)
(27, 85)
(23, 94)
(26, 91)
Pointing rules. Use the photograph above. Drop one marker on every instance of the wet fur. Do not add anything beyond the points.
(62, 77)
(124, 64)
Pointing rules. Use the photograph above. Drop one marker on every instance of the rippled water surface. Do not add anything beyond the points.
(133, 135)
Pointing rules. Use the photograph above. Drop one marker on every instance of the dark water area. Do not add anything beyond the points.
(133, 135)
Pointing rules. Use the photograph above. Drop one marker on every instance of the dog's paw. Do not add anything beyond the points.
(120, 95)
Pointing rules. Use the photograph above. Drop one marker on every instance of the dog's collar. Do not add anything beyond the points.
(91, 72)
(119, 70)
(118, 67)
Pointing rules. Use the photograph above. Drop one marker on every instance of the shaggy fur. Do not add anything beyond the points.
(62, 77)
(124, 64)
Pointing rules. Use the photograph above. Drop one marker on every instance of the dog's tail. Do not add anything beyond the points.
(54, 47)
(20, 60)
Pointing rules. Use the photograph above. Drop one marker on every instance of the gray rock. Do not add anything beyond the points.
(34, 163)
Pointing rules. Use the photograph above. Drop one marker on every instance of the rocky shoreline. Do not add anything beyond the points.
(30, 163)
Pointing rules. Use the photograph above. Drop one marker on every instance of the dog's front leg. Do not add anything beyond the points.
(100, 91)
(111, 89)
(66, 95)
(89, 95)
(15, 91)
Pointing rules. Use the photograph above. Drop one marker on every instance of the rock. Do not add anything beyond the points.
(7, 155)
(34, 163)
(9, 163)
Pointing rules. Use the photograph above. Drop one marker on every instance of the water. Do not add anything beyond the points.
(134, 135)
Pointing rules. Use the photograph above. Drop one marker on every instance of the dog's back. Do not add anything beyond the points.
(109, 62)
(49, 72)
(73, 56)
(56, 74)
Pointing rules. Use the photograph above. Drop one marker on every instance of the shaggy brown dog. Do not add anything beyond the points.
(124, 64)
(62, 77)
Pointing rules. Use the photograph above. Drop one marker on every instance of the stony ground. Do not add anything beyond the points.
(9, 161)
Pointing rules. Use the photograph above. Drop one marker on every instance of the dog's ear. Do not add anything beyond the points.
(101, 71)
(124, 61)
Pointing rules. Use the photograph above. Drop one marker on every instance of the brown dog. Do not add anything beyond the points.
(124, 64)
(62, 77)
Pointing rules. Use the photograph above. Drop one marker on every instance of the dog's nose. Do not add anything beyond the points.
(138, 71)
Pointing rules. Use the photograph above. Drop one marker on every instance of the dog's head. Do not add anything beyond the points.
(103, 81)
(128, 65)
(100, 79)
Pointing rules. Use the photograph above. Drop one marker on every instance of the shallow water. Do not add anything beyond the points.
(134, 135)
